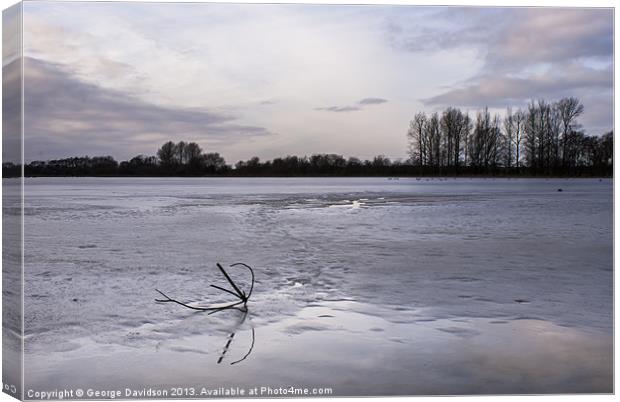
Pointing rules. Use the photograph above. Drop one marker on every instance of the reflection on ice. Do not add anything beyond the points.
(230, 340)
(349, 346)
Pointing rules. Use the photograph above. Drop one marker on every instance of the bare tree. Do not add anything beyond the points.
(467, 128)
(417, 138)
(166, 154)
(494, 142)
(192, 152)
(180, 152)
(518, 133)
(509, 133)
(554, 135)
(452, 127)
(433, 140)
(214, 162)
(484, 145)
(569, 109)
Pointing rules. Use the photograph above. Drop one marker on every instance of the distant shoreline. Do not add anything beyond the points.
(187, 159)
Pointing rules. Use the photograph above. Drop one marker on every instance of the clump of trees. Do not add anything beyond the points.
(543, 139)
(173, 159)
(187, 159)
(140, 165)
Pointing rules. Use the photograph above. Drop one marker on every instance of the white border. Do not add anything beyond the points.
(4, 4)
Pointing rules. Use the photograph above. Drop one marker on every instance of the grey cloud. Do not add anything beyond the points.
(553, 36)
(339, 109)
(500, 91)
(66, 116)
(11, 111)
(510, 38)
(372, 101)
(593, 87)
(353, 108)
(447, 28)
(11, 33)
(11, 84)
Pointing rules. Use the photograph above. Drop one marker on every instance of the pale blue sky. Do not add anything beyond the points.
(272, 80)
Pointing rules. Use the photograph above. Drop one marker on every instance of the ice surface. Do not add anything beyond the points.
(425, 253)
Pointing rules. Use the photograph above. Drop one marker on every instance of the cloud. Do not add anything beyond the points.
(511, 38)
(66, 116)
(11, 34)
(552, 36)
(353, 108)
(339, 109)
(11, 111)
(594, 87)
(372, 101)
(500, 90)
(11, 83)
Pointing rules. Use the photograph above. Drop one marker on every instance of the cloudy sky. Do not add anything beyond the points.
(272, 80)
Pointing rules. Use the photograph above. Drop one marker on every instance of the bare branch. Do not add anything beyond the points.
(251, 272)
(225, 290)
(230, 306)
(169, 300)
(239, 292)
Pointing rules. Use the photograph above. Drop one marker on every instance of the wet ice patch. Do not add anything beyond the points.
(459, 331)
(300, 328)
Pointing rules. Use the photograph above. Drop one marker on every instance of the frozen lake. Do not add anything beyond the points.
(365, 285)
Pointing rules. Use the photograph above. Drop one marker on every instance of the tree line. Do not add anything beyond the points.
(542, 139)
(187, 159)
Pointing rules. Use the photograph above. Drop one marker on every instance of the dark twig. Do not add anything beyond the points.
(239, 292)
(229, 306)
(214, 309)
(225, 290)
(251, 272)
